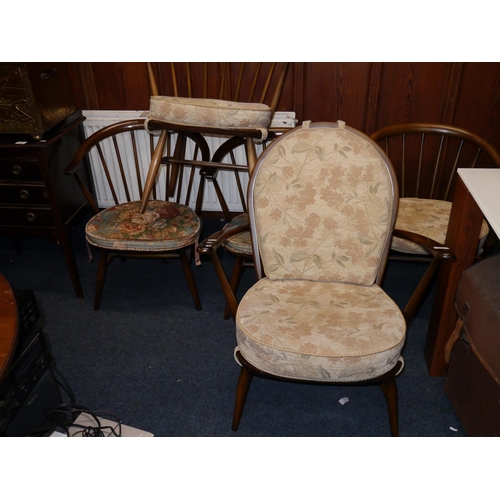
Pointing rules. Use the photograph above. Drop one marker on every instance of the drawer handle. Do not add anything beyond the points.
(24, 194)
(31, 216)
(17, 169)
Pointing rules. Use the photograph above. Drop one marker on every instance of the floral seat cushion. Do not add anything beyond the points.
(319, 331)
(163, 226)
(211, 113)
(428, 218)
(240, 243)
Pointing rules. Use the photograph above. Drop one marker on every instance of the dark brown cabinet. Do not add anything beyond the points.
(36, 198)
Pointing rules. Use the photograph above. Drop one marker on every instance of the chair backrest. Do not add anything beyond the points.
(426, 156)
(322, 205)
(119, 156)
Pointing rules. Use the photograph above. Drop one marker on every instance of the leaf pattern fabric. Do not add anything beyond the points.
(428, 218)
(323, 203)
(212, 113)
(322, 207)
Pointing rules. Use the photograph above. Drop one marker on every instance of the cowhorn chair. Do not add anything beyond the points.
(426, 157)
(135, 224)
(322, 202)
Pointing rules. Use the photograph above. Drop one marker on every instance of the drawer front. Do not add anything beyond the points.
(23, 170)
(26, 216)
(23, 194)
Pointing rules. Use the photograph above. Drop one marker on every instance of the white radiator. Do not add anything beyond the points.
(99, 119)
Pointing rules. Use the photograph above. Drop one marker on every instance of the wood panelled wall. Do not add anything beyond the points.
(366, 96)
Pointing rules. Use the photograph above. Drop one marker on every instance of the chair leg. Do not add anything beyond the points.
(235, 281)
(244, 381)
(390, 390)
(188, 272)
(101, 276)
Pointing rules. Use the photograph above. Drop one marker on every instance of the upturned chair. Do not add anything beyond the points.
(235, 102)
(322, 203)
(163, 229)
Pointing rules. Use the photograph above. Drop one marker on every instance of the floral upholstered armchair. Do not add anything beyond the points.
(322, 203)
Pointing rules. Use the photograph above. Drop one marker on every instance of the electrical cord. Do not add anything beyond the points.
(62, 418)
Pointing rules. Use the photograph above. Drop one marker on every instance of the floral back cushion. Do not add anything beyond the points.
(323, 201)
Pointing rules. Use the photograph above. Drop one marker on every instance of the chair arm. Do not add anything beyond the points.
(439, 254)
(214, 241)
(434, 248)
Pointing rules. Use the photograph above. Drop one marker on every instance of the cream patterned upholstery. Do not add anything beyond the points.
(319, 331)
(428, 218)
(323, 204)
(209, 113)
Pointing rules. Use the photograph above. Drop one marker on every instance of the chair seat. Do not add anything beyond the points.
(209, 113)
(163, 226)
(241, 243)
(319, 331)
(428, 218)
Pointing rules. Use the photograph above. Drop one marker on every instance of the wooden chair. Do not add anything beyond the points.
(232, 101)
(322, 204)
(164, 229)
(426, 157)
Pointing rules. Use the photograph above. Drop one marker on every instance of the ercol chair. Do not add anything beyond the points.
(426, 157)
(228, 103)
(322, 201)
(162, 229)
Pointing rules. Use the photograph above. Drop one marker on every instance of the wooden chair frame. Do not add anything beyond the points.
(208, 163)
(129, 127)
(387, 381)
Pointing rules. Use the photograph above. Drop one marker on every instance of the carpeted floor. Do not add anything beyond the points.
(151, 358)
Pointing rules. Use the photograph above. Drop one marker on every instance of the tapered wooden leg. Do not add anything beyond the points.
(235, 281)
(101, 276)
(244, 381)
(390, 390)
(188, 272)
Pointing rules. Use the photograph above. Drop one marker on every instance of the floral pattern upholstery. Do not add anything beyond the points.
(319, 331)
(428, 218)
(163, 226)
(211, 113)
(323, 204)
(240, 243)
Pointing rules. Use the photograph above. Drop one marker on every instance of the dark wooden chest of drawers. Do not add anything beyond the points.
(36, 198)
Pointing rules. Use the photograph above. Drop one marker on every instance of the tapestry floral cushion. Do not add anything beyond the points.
(428, 218)
(163, 226)
(240, 243)
(210, 113)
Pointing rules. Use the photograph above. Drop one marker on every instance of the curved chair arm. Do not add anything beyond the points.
(439, 254)
(209, 246)
(436, 249)
(93, 140)
(213, 242)
(96, 137)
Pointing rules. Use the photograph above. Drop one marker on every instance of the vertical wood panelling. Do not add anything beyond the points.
(478, 101)
(372, 98)
(365, 95)
(412, 92)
